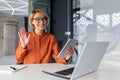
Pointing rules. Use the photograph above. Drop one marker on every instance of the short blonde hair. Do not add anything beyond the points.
(36, 11)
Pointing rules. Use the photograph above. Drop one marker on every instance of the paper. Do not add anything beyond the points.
(11, 68)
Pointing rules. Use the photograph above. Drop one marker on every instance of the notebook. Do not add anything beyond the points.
(88, 61)
(11, 68)
(69, 43)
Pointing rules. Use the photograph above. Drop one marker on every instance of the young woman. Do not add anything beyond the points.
(38, 46)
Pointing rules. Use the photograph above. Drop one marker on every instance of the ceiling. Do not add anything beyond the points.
(14, 7)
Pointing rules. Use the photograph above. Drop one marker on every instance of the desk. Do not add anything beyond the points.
(106, 71)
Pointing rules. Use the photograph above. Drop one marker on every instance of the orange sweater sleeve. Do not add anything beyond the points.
(20, 53)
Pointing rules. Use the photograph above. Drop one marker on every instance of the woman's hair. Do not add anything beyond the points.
(36, 11)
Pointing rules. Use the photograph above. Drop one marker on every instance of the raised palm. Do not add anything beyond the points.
(24, 39)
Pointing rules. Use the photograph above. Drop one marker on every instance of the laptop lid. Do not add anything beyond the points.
(89, 58)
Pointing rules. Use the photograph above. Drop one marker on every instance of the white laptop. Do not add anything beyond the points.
(88, 61)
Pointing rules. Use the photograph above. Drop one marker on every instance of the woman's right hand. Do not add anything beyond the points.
(24, 39)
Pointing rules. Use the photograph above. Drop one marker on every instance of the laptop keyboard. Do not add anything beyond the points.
(66, 71)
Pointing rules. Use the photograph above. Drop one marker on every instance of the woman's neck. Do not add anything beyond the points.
(39, 32)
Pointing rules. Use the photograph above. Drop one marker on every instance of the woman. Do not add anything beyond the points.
(39, 46)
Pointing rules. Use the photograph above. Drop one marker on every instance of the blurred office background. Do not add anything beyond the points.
(13, 15)
(84, 20)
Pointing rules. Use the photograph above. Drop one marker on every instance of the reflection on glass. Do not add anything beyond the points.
(89, 26)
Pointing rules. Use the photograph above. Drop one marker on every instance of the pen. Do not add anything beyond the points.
(12, 67)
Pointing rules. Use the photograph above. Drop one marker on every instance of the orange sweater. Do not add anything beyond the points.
(40, 49)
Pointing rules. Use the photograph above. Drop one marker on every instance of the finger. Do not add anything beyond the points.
(70, 51)
(21, 32)
(20, 37)
(24, 30)
(28, 37)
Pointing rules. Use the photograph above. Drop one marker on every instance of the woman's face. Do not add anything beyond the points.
(39, 21)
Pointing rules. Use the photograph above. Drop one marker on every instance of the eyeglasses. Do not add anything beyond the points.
(40, 19)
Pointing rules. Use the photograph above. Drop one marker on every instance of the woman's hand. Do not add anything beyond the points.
(69, 52)
(24, 39)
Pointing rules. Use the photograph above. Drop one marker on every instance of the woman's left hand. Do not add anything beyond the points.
(69, 52)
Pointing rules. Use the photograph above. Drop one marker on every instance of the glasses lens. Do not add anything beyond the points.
(38, 18)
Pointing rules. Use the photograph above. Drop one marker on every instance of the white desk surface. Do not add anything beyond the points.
(109, 69)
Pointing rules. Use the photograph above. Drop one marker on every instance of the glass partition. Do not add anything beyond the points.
(96, 20)
(40, 4)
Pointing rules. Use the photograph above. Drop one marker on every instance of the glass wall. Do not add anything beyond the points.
(40, 4)
(95, 20)
(9, 27)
